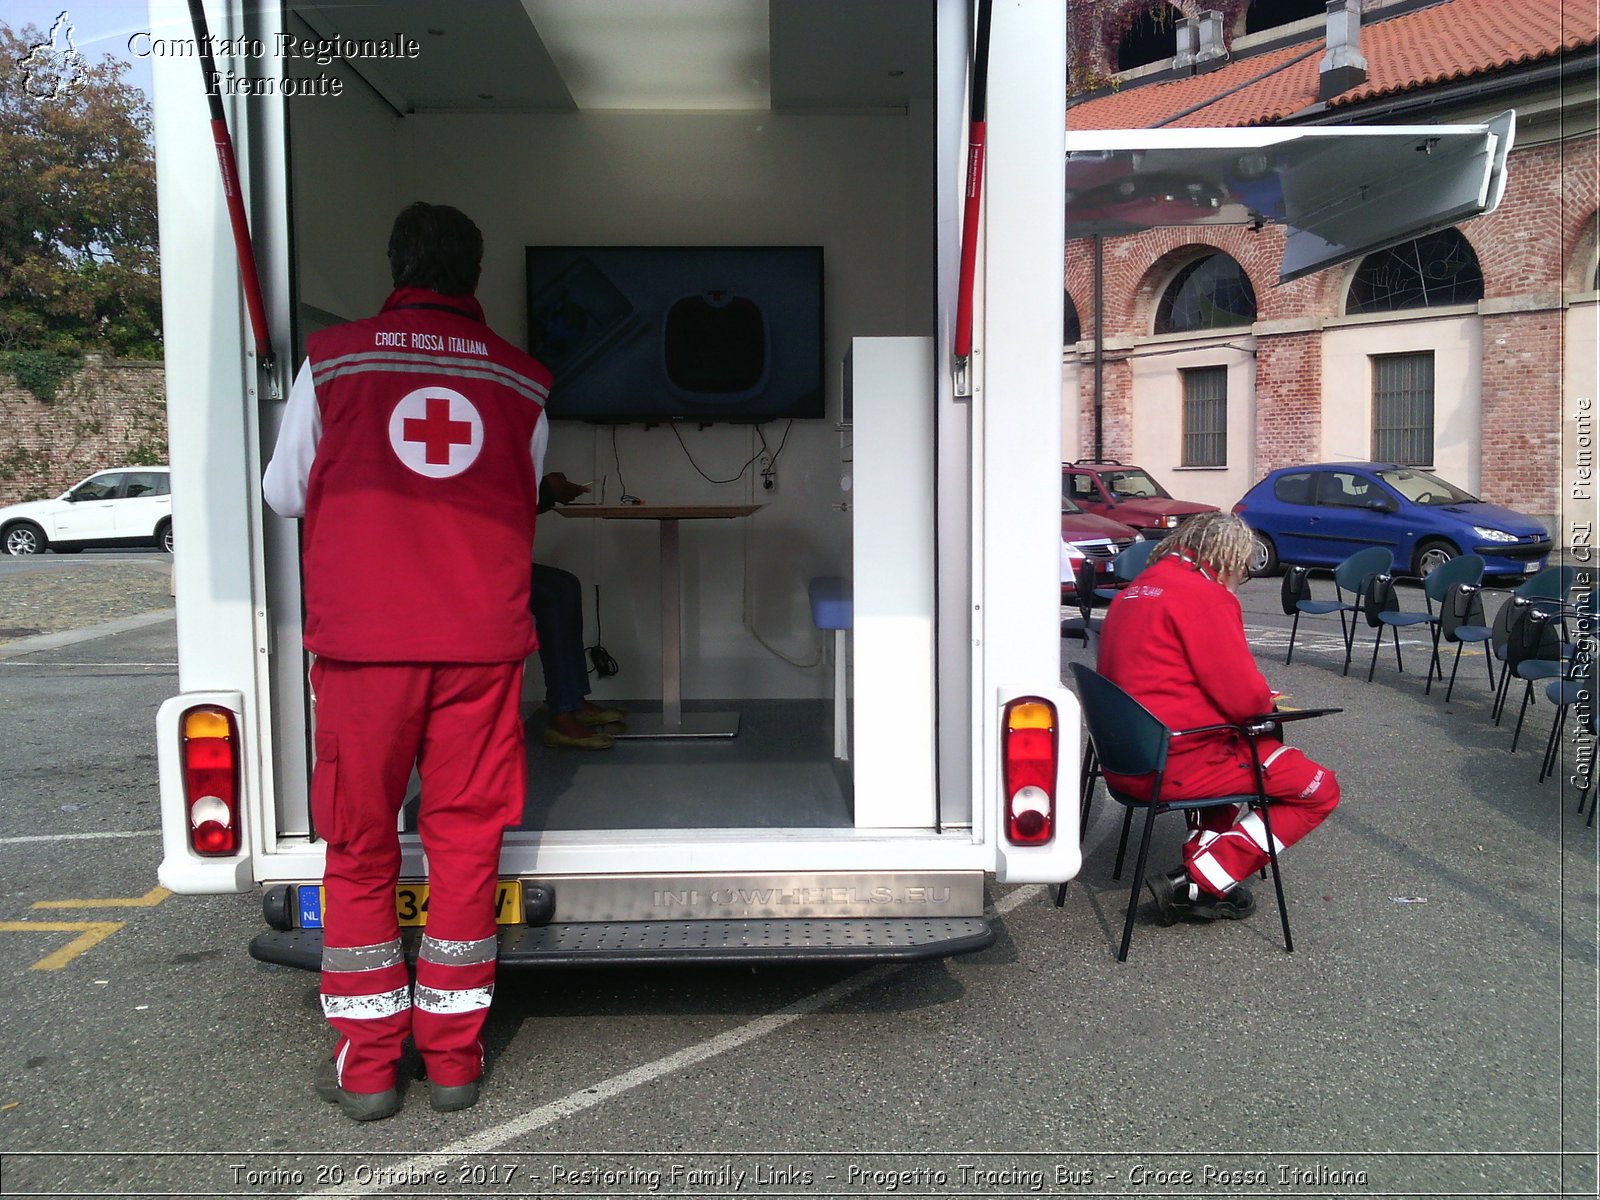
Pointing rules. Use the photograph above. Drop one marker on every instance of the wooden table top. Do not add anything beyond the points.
(657, 512)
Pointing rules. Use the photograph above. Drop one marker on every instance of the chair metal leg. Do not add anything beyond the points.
(1377, 644)
(1122, 846)
(1293, 629)
(1400, 666)
(1435, 667)
(1277, 879)
(1061, 894)
(1500, 693)
(1087, 774)
(1349, 631)
(1456, 666)
(1138, 882)
(1547, 764)
(1527, 695)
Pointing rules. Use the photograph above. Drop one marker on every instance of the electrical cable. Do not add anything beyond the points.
(602, 663)
(616, 457)
(696, 465)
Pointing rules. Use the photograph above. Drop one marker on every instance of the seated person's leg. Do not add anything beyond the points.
(1301, 793)
(556, 599)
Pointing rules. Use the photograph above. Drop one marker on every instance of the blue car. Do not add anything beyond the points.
(1317, 516)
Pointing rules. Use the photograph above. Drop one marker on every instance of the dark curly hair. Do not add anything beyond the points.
(436, 247)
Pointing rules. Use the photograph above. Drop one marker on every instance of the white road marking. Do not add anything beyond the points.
(54, 641)
(575, 1102)
(78, 837)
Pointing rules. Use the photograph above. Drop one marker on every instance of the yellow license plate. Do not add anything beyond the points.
(411, 902)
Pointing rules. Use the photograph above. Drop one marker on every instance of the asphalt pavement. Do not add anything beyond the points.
(1433, 1033)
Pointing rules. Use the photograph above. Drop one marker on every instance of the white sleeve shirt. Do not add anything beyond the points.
(283, 486)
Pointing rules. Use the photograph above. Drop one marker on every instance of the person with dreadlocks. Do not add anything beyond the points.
(1174, 640)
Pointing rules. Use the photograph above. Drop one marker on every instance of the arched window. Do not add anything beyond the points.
(1425, 272)
(1151, 37)
(1071, 327)
(1212, 292)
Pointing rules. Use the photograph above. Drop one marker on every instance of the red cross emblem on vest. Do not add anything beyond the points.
(436, 432)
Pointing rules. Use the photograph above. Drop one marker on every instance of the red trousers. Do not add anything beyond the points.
(1224, 847)
(460, 726)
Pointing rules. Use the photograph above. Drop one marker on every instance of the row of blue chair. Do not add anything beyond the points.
(1529, 636)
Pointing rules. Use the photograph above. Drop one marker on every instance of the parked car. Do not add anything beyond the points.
(1126, 494)
(128, 506)
(1086, 537)
(1319, 515)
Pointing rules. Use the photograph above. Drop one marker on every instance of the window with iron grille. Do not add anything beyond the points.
(1205, 417)
(1402, 408)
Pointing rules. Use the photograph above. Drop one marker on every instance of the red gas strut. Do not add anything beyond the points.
(230, 189)
(969, 219)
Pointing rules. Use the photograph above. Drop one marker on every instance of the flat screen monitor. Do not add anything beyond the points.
(678, 333)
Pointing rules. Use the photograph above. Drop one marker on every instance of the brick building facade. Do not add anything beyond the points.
(109, 413)
(1512, 377)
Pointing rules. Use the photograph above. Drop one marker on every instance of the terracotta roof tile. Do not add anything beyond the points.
(1453, 40)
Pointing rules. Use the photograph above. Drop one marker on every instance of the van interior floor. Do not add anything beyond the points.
(778, 772)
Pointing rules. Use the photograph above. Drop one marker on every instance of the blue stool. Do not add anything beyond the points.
(832, 608)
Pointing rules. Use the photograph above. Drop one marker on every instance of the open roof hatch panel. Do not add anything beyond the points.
(1343, 193)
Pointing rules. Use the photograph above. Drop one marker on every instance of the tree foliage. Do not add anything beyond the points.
(78, 261)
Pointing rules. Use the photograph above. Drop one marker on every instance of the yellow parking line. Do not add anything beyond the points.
(149, 900)
(90, 934)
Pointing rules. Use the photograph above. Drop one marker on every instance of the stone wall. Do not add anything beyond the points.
(110, 413)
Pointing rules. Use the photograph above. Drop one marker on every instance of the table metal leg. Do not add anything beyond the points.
(674, 722)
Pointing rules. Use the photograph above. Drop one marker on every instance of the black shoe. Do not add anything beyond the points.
(1176, 895)
(358, 1106)
(1170, 890)
(445, 1098)
(1235, 905)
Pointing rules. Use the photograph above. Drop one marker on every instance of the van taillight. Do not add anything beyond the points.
(1028, 759)
(211, 779)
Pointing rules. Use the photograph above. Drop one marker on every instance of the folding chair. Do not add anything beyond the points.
(1566, 694)
(1534, 652)
(1467, 569)
(1127, 565)
(1081, 626)
(1129, 740)
(1462, 620)
(1351, 577)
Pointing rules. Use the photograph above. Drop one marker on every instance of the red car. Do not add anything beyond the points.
(1088, 538)
(1126, 494)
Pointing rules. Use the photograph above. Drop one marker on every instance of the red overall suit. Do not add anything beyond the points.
(420, 494)
(1174, 640)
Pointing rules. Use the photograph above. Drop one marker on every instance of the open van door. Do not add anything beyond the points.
(1342, 193)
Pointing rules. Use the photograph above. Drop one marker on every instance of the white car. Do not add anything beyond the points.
(127, 506)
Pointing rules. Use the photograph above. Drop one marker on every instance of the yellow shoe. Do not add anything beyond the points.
(600, 716)
(594, 741)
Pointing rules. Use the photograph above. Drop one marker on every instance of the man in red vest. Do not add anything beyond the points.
(412, 445)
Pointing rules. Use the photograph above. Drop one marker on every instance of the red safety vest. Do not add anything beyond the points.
(421, 501)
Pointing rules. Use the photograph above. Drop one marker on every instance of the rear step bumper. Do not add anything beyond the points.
(677, 943)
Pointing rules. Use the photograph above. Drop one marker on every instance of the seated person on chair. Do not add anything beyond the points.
(557, 603)
(1174, 640)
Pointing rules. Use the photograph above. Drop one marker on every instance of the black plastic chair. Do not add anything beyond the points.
(1349, 577)
(1467, 569)
(1127, 565)
(1082, 625)
(1534, 653)
(1127, 739)
(1552, 583)
(1462, 620)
